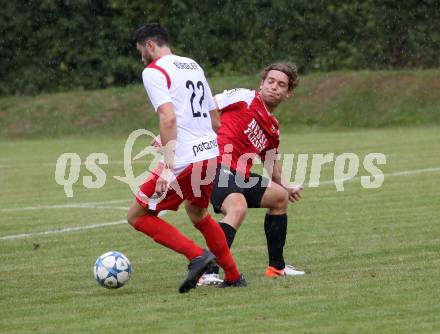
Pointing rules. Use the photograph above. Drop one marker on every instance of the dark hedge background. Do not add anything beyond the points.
(51, 45)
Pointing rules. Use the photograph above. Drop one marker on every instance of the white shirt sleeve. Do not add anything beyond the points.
(155, 84)
(229, 97)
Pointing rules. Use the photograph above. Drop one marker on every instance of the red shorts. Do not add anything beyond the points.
(193, 184)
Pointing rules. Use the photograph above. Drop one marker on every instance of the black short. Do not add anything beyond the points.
(228, 182)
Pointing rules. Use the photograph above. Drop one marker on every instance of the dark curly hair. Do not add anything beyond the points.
(288, 69)
(151, 31)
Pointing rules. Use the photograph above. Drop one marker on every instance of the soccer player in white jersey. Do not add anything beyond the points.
(180, 94)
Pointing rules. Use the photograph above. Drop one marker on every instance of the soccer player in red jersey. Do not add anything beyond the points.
(249, 128)
(181, 96)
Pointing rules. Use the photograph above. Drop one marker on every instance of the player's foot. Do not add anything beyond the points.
(240, 283)
(209, 279)
(213, 269)
(196, 268)
(287, 271)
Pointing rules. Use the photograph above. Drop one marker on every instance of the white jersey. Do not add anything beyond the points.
(182, 82)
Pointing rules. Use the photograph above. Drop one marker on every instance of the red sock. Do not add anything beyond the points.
(216, 241)
(167, 235)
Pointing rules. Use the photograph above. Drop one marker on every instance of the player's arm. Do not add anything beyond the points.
(168, 132)
(294, 192)
(156, 86)
(212, 106)
(168, 135)
(215, 120)
(276, 173)
(215, 117)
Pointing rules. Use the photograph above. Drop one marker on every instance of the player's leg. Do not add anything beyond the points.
(215, 239)
(146, 221)
(234, 209)
(143, 217)
(276, 200)
(235, 205)
(196, 195)
(227, 198)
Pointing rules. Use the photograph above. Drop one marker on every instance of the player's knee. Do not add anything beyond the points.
(281, 200)
(285, 199)
(195, 213)
(131, 218)
(238, 210)
(196, 217)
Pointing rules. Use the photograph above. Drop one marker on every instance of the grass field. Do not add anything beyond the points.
(344, 99)
(372, 255)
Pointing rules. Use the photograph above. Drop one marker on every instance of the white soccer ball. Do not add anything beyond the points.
(112, 270)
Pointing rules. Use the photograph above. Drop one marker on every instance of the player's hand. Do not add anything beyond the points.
(294, 193)
(157, 144)
(164, 180)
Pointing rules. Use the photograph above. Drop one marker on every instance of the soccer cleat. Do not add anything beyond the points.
(209, 279)
(240, 283)
(196, 268)
(287, 271)
(292, 271)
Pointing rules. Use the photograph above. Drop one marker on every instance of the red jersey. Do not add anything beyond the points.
(248, 126)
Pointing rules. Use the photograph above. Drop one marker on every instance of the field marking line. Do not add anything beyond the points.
(103, 205)
(86, 205)
(64, 230)
(122, 208)
(119, 222)
(402, 173)
(23, 164)
(70, 229)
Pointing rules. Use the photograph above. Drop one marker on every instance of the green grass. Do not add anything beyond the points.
(372, 255)
(337, 100)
